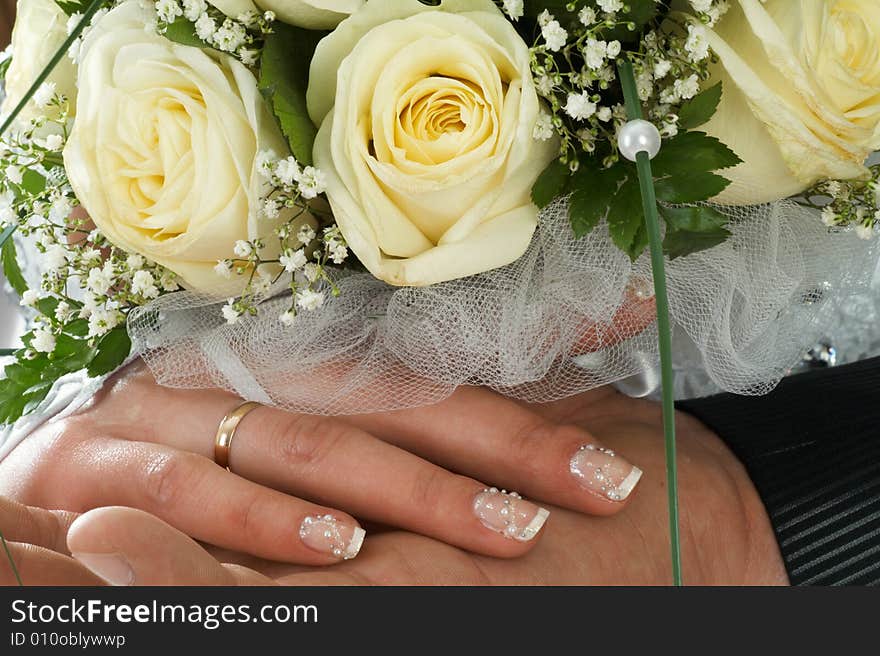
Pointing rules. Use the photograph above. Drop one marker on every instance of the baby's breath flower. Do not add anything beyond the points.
(44, 95)
(43, 341)
(231, 313)
(243, 249)
(514, 9)
(293, 260)
(309, 300)
(143, 284)
(29, 298)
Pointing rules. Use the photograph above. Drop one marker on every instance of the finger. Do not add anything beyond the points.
(482, 434)
(42, 528)
(124, 546)
(207, 502)
(326, 459)
(38, 566)
(637, 312)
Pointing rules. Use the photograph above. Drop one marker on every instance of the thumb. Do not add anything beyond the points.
(124, 546)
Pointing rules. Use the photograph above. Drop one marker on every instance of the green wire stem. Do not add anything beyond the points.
(664, 330)
(44, 74)
(11, 560)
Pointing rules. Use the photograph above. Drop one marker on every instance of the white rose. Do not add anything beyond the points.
(163, 151)
(312, 14)
(801, 93)
(426, 138)
(40, 29)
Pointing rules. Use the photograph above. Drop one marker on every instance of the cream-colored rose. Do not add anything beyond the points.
(312, 14)
(40, 29)
(426, 138)
(163, 151)
(801, 93)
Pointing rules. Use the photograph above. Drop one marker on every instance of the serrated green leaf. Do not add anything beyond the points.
(71, 7)
(692, 229)
(592, 193)
(690, 189)
(551, 184)
(693, 152)
(284, 78)
(183, 32)
(699, 109)
(626, 218)
(47, 306)
(679, 243)
(77, 328)
(33, 182)
(113, 348)
(699, 218)
(11, 269)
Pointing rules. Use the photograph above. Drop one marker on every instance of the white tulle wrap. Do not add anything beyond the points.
(569, 316)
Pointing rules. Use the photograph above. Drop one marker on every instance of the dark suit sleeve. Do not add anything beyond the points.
(812, 449)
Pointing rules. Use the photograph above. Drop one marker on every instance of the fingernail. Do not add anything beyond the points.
(331, 536)
(113, 568)
(509, 514)
(603, 472)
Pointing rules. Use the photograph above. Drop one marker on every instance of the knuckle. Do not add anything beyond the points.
(305, 441)
(244, 518)
(167, 476)
(427, 490)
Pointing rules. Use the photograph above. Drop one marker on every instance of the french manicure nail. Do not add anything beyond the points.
(331, 536)
(509, 514)
(113, 568)
(603, 472)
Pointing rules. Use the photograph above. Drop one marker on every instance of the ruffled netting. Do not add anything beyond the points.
(569, 316)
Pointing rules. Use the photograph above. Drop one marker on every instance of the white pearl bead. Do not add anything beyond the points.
(639, 136)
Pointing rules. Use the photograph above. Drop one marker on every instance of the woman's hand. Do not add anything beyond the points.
(726, 536)
(149, 447)
(37, 543)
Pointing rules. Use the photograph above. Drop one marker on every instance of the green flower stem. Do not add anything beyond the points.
(664, 330)
(11, 560)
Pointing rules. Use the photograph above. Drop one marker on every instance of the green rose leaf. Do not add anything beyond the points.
(33, 182)
(692, 152)
(112, 350)
(551, 184)
(626, 219)
(592, 194)
(284, 78)
(692, 229)
(71, 7)
(690, 188)
(11, 269)
(183, 32)
(698, 110)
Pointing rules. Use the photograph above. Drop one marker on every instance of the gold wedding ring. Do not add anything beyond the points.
(223, 442)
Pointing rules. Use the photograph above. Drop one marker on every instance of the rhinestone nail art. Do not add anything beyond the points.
(602, 471)
(509, 514)
(329, 535)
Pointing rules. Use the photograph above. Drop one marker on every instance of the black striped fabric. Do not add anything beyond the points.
(812, 449)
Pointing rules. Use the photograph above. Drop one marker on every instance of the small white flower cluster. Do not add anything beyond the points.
(74, 20)
(574, 68)
(710, 12)
(241, 36)
(850, 203)
(305, 253)
(84, 278)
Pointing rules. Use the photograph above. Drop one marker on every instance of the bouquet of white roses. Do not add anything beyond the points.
(302, 200)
